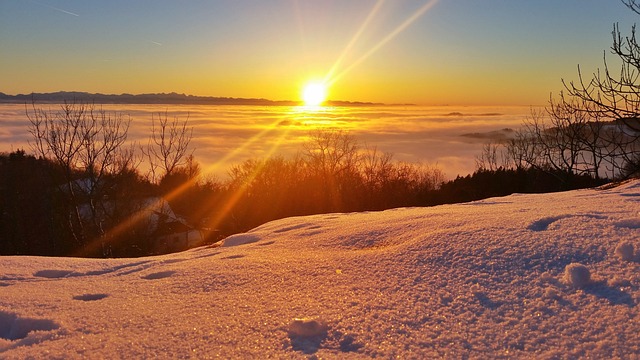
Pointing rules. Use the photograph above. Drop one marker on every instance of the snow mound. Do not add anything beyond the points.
(577, 275)
(307, 334)
(624, 251)
(307, 327)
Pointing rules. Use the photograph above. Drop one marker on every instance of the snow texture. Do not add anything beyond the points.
(498, 278)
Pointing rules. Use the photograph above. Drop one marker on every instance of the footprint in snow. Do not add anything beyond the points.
(14, 327)
(289, 228)
(297, 227)
(208, 255)
(53, 274)
(172, 261)
(544, 223)
(309, 334)
(267, 243)
(240, 239)
(129, 266)
(159, 275)
(233, 257)
(629, 223)
(90, 297)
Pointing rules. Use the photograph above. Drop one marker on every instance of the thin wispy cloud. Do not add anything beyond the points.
(54, 8)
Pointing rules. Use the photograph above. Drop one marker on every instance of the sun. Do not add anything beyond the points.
(314, 93)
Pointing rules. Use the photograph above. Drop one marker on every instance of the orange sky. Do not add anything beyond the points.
(424, 52)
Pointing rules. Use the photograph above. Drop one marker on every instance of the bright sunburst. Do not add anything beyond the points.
(314, 94)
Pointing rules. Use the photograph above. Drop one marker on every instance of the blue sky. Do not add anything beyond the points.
(457, 51)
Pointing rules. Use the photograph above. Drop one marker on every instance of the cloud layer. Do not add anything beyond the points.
(227, 135)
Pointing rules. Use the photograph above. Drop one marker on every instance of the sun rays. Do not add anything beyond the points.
(372, 14)
(331, 79)
(314, 95)
(153, 204)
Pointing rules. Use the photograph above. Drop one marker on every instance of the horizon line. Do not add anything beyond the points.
(265, 101)
(4, 96)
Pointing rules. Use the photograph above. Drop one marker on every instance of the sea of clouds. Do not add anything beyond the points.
(448, 136)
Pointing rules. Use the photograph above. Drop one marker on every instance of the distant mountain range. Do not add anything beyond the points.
(162, 98)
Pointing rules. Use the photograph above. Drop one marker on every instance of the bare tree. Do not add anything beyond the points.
(521, 150)
(168, 145)
(633, 5)
(494, 155)
(613, 97)
(88, 144)
(331, 152)
(376, 168)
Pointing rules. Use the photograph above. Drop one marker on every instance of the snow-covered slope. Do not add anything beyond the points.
(483, 280)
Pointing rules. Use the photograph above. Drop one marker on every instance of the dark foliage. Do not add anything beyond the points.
(501, 182)
(34, 215)
(29, 216)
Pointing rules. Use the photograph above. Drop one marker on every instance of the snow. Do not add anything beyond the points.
(240, 239)
(484, 279)
(624, 250)
(577, 275)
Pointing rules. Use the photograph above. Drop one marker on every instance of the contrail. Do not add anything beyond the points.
(54, 8)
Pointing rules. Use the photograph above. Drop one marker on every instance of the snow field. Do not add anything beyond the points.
(543, 276)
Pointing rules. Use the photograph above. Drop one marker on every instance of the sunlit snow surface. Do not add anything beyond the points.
(481, 280)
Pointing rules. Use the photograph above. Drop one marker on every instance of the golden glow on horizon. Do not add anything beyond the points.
(314, 93)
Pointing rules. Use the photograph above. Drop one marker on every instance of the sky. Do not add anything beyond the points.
(428, 52)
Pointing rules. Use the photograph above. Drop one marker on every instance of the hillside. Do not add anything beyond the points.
(487, 279)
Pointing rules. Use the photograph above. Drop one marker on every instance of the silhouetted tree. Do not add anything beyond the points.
(168, 145)
(493, 156)
(101, 189)
(331, 157)
(614, 95)
(89, 145)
